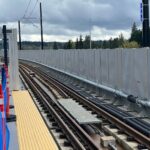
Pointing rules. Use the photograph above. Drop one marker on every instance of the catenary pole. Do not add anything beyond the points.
(41, 23)
(5, 44)
(19, 30)
(145, 31)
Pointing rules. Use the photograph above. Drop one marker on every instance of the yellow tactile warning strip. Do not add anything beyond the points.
(32, 131)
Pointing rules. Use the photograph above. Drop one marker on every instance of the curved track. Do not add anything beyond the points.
(135, 127)
(78, 138)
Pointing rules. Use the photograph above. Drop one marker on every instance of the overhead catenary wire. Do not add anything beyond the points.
(29, 18)
(26, 10)
(33, 24)
(33, 9)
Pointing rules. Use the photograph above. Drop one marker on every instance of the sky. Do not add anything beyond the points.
(67, 19)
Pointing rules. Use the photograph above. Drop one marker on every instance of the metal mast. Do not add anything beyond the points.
(41, 23)
(19, 30)
(145, 32)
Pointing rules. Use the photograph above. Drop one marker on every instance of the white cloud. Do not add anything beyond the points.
(65, 19)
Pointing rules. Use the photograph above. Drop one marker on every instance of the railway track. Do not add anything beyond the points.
(77, 137)
(136, 128)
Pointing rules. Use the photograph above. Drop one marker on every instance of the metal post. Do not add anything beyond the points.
(41, 23)
(90, 40)
(5, 44)
(90, 28)
(145, 33)
(19, 30)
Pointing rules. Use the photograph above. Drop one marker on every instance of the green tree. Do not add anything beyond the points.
(70, 45)
(81, 42)
(121, 40)
(77, 44)
(86, 44)
(134, 27)
(115, 43)
(110, 43)
(55, 46)
(105, 44)
(136, 35)
(132, 44)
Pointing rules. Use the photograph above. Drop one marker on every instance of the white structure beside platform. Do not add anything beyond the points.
(13, 57)
(13, 60)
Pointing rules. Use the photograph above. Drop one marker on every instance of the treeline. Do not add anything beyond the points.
(30, 45)
(86, 43)
(134, 41)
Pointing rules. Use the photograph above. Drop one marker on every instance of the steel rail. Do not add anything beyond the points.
(130, 130)
(50, 86)
(50, 109)
(87, 142)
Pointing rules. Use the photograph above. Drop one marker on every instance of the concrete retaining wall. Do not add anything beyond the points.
(127, 70)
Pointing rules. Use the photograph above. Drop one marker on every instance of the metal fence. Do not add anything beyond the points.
(127, 70)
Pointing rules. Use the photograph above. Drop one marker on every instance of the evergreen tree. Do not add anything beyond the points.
(70, 44)
(115, 43)
(121, 40)
(136, 35)
(86, 44)
(77, 44)
(81, 42)
(134, 28)
(55, 46)
(110, 43)
(105, 44)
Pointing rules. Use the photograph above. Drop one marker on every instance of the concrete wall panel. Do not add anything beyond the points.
(127, 70)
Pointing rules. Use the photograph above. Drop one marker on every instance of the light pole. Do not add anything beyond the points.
(19, 30)
(41, 23)
(90, 28)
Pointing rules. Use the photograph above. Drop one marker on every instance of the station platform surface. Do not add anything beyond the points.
(13, 145)
(32, 131)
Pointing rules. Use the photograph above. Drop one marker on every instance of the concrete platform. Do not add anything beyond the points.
(13, 144)
(32, 131)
